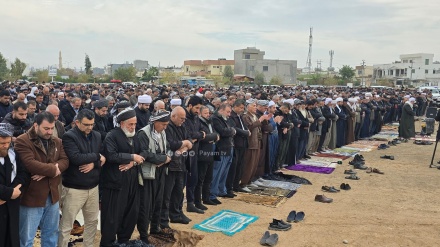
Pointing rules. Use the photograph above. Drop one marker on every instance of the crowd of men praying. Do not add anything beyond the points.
(128, 153)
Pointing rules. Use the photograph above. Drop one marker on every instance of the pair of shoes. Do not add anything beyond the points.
(374, 170)
(295, 217)
(356, 162)
(269, 239)
(191, 208)
(200, 206)
(209, 202)
(216, 201)
(383, 146)
(345, 186)
(390, 157)
(323, 198)
(350, 172)
(279, 225)
(353, 177)
(329, 189)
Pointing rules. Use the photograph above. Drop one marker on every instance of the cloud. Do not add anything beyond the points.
(170, 32)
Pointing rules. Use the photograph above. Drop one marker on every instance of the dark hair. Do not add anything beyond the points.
(18, 105)
(223, 106)
(287, 105)
(85, 113)
(44, 116)
(39, 94)
(70, 95)
(31, 102)
(5, 93)
(195, 100)
(239, 102)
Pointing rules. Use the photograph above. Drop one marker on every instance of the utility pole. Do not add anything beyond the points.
(363, 73)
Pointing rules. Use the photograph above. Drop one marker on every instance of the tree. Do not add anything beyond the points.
(17, 69)
(4, 71)
(41, 75)
(276, 80)
(168, 77)
(88, 65)
(125, 74)
(259, 78)
(346, 73)
(228, 73)
(83, 78)
(149, 74)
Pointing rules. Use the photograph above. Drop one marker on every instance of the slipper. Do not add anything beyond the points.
(353, 172)
(265, 237)
(369, 170)
(272, 240)
(300, 216)
(345, 186)
(329, 189)
(375, 170)
(291, 217)
(387, 157)
(353, 177)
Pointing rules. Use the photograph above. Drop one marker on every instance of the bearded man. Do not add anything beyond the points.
(142, 111)
(12, 177)
(120, 180)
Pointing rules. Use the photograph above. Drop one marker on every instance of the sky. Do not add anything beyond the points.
(171, 31)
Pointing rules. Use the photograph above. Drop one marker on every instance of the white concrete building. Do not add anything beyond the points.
(417, 69)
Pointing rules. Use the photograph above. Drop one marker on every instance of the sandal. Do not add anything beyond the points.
(387, 157)
(353, 172)
(369, 170)
(353, 177)
(375, 170)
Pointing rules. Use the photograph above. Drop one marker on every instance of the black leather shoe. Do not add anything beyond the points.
(185, 217)
(209, 202)
(201, 206)
(216, 201)
(179, 221)
(227, 196)
(307, 156)
(356, 162)
(193, 209)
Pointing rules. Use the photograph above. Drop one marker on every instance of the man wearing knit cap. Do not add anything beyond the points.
(120, 180)
(12, 178)
(142, 111)
(154, 147)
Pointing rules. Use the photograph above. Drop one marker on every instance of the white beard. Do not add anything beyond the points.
(128, 133)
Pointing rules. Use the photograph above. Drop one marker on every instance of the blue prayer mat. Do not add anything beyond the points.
(226, 221)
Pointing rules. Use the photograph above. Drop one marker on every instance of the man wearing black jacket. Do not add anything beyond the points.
(240, 145)
(180, 143)
(100, 108)
(205, 160)
(18, 119)
(196, 134)
(81, 179)
(224, 151)
(154, 147)
(120, 180)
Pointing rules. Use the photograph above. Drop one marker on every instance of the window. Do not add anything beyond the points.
(405, 61)
(413, 71)
(221, 69)
(433, 71)
(426, 71)
(247, 56)
(265, 68)
(252, 68)
(426, 62)
(360, 72)
(391, 72)
(187, 68)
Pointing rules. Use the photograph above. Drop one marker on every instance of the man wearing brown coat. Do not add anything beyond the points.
(44, 158)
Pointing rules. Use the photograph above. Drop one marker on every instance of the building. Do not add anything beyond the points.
(416, 69)
(251, 60)
(110, 68)
(364, 74)
(141, 65)
(98, 71)
(206, 67)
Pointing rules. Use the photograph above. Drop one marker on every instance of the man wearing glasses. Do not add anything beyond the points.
(81, 179)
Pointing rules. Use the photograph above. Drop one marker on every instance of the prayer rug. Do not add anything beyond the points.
(277, 184)
(172, 237)
(333, 155)
(314, 169)
(264, 200)
(325, 159)
(423, 138)
(226, 221)
(318, 163)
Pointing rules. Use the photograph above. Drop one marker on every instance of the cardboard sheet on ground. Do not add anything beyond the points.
(271, 191)
(264, 200)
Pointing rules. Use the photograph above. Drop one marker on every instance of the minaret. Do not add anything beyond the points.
(60, 60)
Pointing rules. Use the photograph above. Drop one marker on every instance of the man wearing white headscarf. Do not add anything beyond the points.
(329, 114)
(341, 125)
(407, 127)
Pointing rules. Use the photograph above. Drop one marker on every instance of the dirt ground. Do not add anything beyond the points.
(399, 208)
